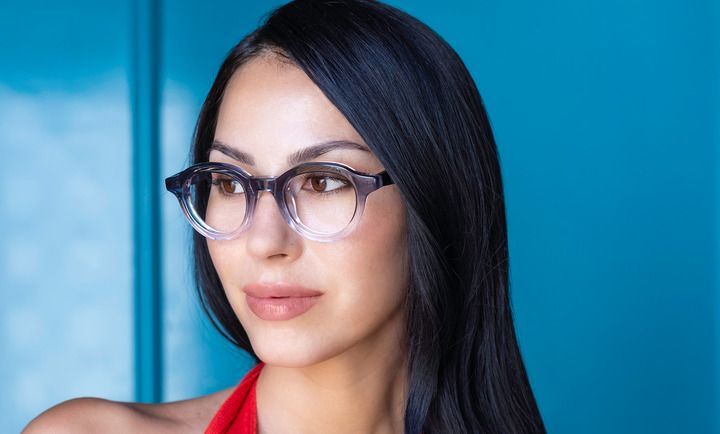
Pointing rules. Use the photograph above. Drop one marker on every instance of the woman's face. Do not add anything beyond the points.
(270, 110)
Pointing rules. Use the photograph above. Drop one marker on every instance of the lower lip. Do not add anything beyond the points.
(278, 309)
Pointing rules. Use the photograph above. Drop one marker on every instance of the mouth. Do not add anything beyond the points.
(279, 301)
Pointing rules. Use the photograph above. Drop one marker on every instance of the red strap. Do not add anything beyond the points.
(238, 414)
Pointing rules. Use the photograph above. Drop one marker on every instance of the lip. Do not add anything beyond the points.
(279, 301)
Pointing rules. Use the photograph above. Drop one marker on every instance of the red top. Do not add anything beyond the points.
(238, 414)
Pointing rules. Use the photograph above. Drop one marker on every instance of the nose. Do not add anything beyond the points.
(269, 235)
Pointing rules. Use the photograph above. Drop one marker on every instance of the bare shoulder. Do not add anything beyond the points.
(91, 415)
(85, 415)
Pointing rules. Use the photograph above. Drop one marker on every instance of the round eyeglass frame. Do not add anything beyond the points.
(364, 183)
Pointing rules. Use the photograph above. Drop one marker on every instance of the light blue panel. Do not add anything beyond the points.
(196, 37)
(65, 229)
(603, 115)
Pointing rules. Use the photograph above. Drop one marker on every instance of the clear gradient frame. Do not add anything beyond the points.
(364, 183)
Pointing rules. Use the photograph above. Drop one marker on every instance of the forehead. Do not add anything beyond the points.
(271, 109)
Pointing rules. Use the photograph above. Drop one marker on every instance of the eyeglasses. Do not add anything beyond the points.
(323, 201)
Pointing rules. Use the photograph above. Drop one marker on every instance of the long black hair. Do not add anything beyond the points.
(413, 101)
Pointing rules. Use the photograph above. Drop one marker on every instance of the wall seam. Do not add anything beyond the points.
(146, 188)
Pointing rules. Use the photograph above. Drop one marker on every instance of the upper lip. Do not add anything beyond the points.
(278, 289)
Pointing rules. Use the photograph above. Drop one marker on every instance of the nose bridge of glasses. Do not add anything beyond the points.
(261, 184)
(264, 184)
(269, 184)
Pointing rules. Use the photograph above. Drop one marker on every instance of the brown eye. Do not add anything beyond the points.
(228, 186)
(318, 183)
(326, 184)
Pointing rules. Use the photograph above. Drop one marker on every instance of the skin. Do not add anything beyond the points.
(339, 367)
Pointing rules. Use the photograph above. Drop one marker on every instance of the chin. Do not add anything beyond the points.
(292, 351)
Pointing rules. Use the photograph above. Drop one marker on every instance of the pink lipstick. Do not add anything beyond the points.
(279, 301)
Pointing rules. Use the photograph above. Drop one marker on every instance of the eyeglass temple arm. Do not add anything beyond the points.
(172, 184)
(384, 179)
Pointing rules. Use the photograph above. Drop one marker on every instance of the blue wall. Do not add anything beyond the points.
(607, 119)
(65, 228)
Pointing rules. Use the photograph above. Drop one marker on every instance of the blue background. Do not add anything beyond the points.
(607, 119)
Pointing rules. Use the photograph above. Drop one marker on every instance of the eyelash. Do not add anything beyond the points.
(218, 183)
(333, 191)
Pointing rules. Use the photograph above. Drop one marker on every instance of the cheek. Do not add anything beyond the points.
(225, 256)
(371, 264)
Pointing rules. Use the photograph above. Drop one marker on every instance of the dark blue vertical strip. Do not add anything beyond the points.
(715, 77)
(716, 119)
(147, 244)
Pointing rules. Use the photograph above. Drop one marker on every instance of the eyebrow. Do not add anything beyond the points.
(293, 159)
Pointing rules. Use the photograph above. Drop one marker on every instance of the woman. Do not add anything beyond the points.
(370, 281)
